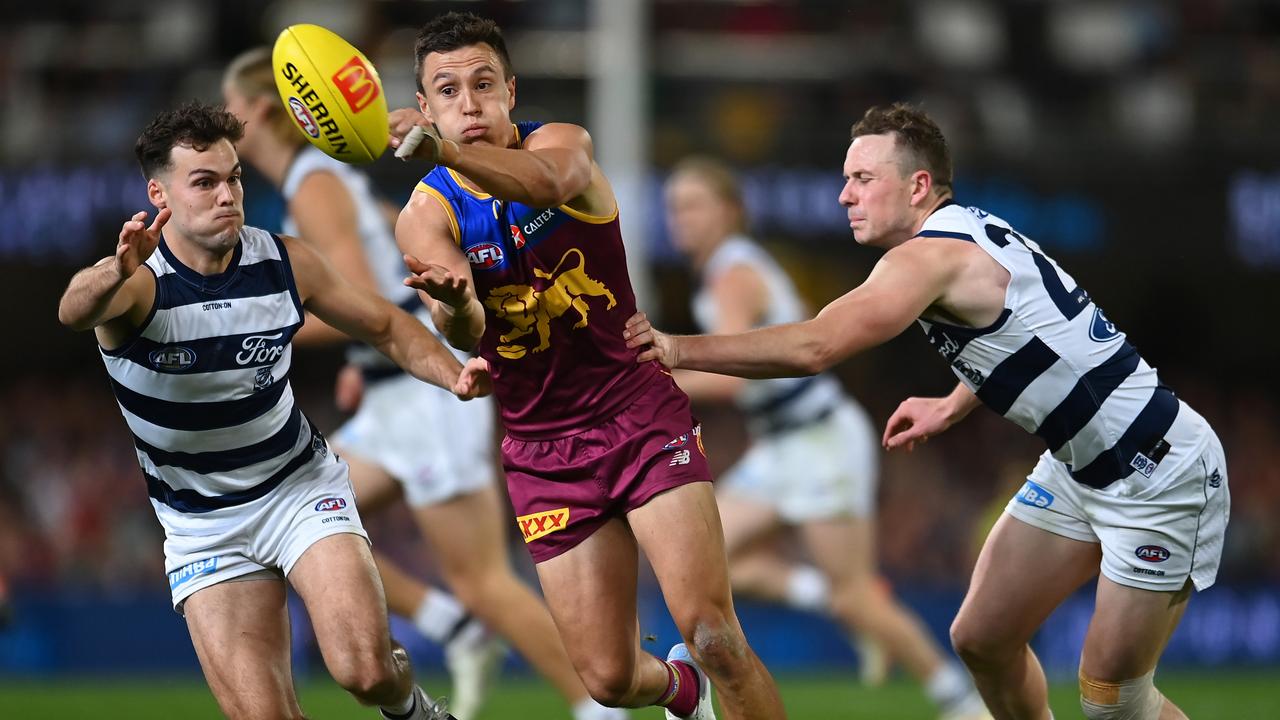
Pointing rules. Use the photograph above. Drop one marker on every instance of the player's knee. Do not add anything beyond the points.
(363, 674)
(609, 681)
(977, 645)
(1136, 699)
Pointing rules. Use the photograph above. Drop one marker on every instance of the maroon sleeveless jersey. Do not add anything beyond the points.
(556, 296)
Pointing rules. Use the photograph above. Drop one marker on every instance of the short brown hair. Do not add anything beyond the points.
(915, 132)
(195, 125)
(455, 30)
(253, 75)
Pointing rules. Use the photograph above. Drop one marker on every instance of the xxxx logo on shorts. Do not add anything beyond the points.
(536, 525)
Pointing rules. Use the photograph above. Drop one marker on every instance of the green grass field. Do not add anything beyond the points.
(1251, 695)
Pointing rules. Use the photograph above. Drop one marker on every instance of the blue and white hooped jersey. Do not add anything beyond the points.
(204, 383)
(1053, 363)
(776, 403)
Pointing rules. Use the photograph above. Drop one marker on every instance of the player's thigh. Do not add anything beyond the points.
(679, 531)
(1129, 630)
(1022, 574)
(745, 520)
(373, 486)
(842, 547)
(590, 590)
(339, 584)
(240, 630)
(466, 533)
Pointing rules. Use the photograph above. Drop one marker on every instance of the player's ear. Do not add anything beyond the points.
(921, 184)
(511, 93)
(156, 194)
(422, 106)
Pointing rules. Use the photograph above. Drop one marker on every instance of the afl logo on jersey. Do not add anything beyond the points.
(485, 256)
(331, 504)
(172, 359)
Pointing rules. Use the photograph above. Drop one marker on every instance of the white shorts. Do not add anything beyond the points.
(821, 470)
(435, 445)
(1155, 532)
(267, 534)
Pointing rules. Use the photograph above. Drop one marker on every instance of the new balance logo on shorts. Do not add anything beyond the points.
(681, 457)
(536, 525)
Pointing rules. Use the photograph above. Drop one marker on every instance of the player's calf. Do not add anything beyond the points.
(1136, 699)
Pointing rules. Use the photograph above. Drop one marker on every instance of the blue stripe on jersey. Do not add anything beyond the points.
(1082, 403)
(211, 354)
(950, 340)
(256, 280)
(946, 234)
(1014, 374)
(200, 415)
(189, 501)
(1148, 428)
(227, 460)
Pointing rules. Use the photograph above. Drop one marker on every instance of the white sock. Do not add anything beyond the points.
(948, 685)
(437, 615)
(588, 709)
(808, 589)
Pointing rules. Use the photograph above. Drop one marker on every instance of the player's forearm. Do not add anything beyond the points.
(536, 179)
(790, 350)
(961, 401)
(89, 295)
(411, 346)
(461, 328)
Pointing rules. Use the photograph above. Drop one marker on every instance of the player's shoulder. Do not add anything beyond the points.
(555, 134)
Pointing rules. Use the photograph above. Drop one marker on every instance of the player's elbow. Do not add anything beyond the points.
(76, 321)
(818, 353)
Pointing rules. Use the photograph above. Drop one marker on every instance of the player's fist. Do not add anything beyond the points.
(657, 345)
(400, 122)
(138, 240)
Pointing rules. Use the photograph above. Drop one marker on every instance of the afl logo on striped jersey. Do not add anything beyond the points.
(172, 358)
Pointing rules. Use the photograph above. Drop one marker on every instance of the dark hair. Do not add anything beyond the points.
(455, 30)
(195, 125)
(916, 133)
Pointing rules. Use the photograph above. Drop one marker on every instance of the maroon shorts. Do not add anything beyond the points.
(566, 488)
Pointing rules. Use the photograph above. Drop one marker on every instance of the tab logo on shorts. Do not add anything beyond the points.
(331, 504)
(1152, 553)
(191, 571)
(1034, 495)
(537, 525)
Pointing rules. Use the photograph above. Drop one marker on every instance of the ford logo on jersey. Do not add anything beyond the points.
(331, 504)
(1101, 329)
(485, 256)
(172, 358)
(1152, 553)
(1034, 495)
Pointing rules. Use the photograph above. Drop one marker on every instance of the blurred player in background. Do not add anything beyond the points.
(247, 490)
(813, 460)
(515, 235)
(406, 435)
(1134, 482)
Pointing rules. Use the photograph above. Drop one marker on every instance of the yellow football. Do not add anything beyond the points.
(332, 91)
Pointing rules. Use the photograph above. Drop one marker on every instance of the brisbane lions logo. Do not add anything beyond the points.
(528, 309)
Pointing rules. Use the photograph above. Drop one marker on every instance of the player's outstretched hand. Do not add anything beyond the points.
(915, 421)
(474, 381)
(137, 241)
(437, 281)
(639, 333)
